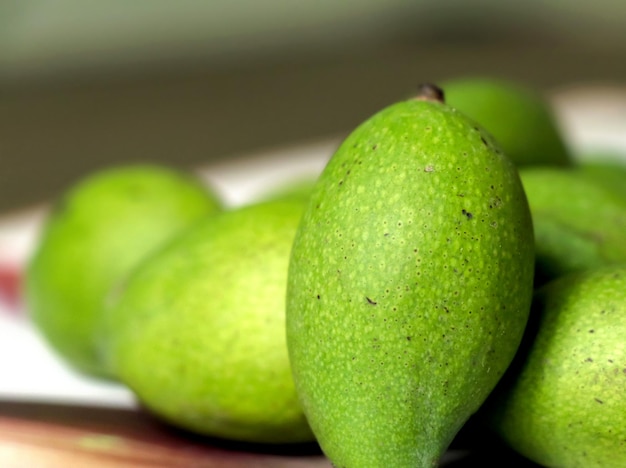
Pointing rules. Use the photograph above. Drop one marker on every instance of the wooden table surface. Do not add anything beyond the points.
(65, 436)
(49, 435)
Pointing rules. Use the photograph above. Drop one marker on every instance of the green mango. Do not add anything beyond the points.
(97, 232)
(562, 404)
(579, 221)
(611, 173)
(198, 331)
(518, 116)
(409, 284)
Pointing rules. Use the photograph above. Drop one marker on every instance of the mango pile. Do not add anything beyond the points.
(457, 261)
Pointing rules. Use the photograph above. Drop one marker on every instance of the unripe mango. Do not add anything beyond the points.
(409, 285)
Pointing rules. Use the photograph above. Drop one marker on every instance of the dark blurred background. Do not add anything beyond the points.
(88, 84)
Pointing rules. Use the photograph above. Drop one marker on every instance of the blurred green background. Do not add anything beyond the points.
(85, 84)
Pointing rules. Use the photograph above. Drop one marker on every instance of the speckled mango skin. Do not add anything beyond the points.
(409, 286)
(565, 404)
